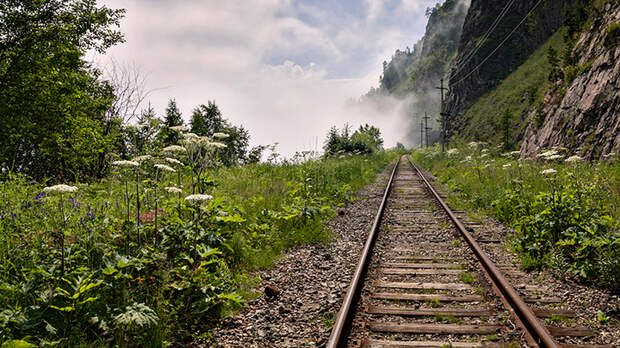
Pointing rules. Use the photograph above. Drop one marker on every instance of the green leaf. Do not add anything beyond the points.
(109, 271)
(64, 309)
(18, 344)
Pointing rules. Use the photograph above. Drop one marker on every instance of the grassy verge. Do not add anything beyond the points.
(565, 212)
(78, 270)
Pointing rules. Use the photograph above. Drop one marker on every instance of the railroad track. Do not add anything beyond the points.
(424, 280)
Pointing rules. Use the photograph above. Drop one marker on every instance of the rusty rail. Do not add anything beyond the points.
(525, 314)
(341, 319)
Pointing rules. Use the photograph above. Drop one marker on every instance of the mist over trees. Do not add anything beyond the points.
(366, 139)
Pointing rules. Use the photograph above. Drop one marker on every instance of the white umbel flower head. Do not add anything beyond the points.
(554, 157)
(575, 158)
(548, 171)
(218, 145)
(60, 189)
(172, 189)
(126, 163)
(198, 198)
(142, 158)
(164, 168)
(174, 148)
(220, 135)
(173, 161)
(507, 165)
(179, 128)
(452, 152)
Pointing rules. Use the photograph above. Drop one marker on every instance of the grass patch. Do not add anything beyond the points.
(467, 277)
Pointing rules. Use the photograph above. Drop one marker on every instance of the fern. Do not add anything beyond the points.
(137, 315)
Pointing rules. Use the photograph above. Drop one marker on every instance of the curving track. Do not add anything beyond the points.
(424, 280)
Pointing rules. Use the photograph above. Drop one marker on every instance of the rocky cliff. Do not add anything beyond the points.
(584, 114)
(467, 83)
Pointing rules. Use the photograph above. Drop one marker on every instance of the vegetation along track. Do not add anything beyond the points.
(424, 280)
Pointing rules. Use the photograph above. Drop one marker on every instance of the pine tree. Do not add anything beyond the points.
(173, 118)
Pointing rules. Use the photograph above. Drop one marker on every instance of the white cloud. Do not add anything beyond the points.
(282, 68)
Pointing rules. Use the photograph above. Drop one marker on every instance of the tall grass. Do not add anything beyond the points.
(129, 284)
(565, 213)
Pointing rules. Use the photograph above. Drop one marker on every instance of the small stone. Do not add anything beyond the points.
(271, 291)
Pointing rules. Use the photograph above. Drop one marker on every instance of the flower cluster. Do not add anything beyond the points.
(164, 168)
(125, 163)
(62, 188)
(198, 198)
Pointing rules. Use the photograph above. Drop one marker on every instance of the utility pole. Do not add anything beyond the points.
(443, 118)
(421, 134)
(426, 129)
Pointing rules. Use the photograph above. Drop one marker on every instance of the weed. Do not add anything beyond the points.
(456, 243)
(602, 317)
(328, 319)
(493, 337)
(467, 277)
(554, 318)
(433, 302)
(447, 318)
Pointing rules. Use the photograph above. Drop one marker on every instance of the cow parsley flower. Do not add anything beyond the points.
(172, 189)
(220, 135)
(179, 128)
(164, 167)
(142, 158)
(198, 198)
(507, 165)
(174, 148)
(553, 157)
(125, 163)
(452, 152)
(173, 161)
(548, 171)
(218, 145)
(575, 158)
(60, 189)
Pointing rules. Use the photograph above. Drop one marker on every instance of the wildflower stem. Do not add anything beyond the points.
(138, 208)
(62, 237)
(156, 187)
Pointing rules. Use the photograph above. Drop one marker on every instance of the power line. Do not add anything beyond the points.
(484, 37)
(497, 48)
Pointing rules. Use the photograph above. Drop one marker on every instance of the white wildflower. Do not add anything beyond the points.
(553, 157)
(174, 148)
(125, 163)
(218, 145)
(484, 155)
(473, 144)
(548, 171)
(173, 161)
(205, 141)
(142, 158)
(220, 135)
(179, 128)
(507, 165)
(547, 153)
(485, 150)
(60, 189)
(172, 189)
(575, 158)
(164, 167)
(452, 152)
(468, 158)
(198, 198)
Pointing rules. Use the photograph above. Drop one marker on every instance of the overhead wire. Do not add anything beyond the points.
(483, 38)
(498, 46)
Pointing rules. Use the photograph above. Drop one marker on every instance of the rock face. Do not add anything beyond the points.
(467, 86)
(587, 116)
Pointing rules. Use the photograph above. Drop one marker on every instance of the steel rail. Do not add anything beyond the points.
(341, 319)
(521, 309)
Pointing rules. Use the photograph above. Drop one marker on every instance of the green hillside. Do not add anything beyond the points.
(521, 90)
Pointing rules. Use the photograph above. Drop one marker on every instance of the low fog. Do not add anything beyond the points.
(285, 70)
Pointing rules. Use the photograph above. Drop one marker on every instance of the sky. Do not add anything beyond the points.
(284, 69)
